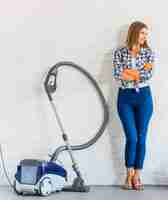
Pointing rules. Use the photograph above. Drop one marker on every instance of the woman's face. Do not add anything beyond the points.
(142, 36)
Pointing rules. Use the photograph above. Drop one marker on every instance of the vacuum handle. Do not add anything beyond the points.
(51, 84)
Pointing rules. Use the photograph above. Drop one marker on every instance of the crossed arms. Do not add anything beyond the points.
(122, 73)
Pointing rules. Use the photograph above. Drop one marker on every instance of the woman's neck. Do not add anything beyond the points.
(135, 50)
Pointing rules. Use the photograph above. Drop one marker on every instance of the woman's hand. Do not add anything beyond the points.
(130, 74)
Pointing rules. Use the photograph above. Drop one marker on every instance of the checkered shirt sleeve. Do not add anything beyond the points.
(147, 74)
(117, 68)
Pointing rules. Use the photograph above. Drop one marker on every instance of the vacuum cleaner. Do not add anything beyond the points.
(40, 177)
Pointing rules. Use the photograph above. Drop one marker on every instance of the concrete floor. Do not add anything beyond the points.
(96, 193)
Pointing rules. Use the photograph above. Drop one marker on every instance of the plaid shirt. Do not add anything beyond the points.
(122, 60)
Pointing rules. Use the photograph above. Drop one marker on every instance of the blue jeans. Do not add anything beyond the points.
(135, 111)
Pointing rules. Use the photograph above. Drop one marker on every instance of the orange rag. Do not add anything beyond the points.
(147, 66)
(133, 72)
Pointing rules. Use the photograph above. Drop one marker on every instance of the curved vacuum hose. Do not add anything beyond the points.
(51, 88)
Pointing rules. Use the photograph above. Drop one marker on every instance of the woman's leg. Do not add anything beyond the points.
(126, 115)
(143, 113)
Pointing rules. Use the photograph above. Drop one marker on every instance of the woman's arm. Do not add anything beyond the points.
(117, 65)
(119, 72)
(147, 71)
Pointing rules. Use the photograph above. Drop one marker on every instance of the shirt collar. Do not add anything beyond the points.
(142, 50)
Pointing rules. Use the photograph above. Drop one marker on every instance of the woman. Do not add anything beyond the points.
(133, 69)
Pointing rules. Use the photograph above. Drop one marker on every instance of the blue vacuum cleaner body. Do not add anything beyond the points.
(39, 177)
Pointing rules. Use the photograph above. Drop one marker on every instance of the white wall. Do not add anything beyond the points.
(34, 35)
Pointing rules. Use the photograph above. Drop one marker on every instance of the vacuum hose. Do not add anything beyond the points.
(50, 85)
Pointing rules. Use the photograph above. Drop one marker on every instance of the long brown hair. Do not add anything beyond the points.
(133, 34)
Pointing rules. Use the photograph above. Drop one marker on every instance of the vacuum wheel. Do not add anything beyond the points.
(15, 189)
(45, 187)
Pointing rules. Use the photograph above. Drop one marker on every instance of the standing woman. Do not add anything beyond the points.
(133, 69)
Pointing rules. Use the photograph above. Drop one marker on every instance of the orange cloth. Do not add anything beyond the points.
(132, 72)
(147, 66)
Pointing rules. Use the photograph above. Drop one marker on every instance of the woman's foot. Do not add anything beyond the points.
(128, 182)
(137, 184)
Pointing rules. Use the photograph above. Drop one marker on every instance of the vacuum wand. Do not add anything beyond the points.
(75, 166)
(78, 184)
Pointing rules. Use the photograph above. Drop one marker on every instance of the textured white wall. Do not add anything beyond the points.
(36, 34)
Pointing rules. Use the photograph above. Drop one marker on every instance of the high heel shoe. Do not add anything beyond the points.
(128, 182)
(137, 184)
